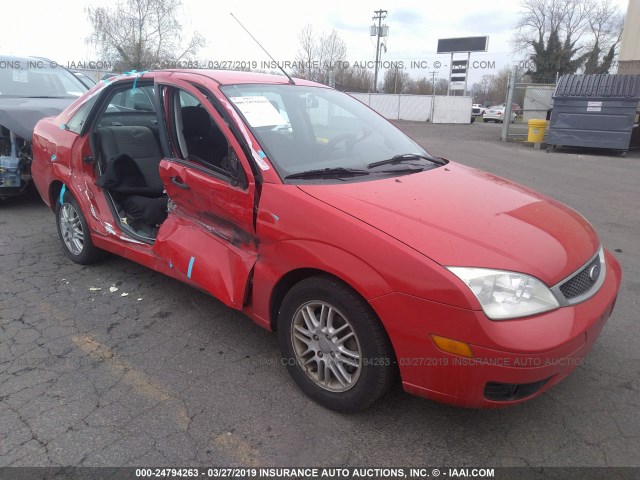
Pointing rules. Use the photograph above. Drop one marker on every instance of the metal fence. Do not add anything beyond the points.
(531, 100)
(420, 108)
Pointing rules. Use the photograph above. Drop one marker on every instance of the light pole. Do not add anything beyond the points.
(378, 31)
(433, 94)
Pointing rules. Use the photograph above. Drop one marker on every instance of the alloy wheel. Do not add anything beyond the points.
(326, 346)
(71, 229)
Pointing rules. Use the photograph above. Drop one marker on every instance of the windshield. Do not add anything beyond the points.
(306, 129)
(22, 79)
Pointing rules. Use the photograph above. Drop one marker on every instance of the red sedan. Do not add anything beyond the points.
(320, 220)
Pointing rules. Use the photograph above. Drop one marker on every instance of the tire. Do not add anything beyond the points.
(74, 233)
(485, 120)
(358, 332)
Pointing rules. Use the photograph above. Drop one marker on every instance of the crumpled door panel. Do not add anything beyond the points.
(205, 259)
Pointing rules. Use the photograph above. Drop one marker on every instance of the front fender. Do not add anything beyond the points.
(278, 259)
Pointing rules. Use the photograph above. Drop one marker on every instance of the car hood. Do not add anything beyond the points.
(20, 115)
(460, 216)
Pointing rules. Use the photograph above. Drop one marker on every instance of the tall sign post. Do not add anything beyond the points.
(459, 69)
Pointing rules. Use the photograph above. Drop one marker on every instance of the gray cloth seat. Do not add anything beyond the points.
(140, 144)
(205, 142)
(130, 156)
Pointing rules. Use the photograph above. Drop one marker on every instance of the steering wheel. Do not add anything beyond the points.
(335, 141)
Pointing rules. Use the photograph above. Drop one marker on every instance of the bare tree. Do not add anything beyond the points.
(557, 33)
(307, 53)
(141, 34)
(396, 80)
(441, 87)
(332, 52)
(319, 55)
(354, 79)
(498, 87)
(482, 88)
(605, 24)
(539, 18)
(422, 86)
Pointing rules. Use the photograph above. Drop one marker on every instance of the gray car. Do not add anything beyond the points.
(31, 88)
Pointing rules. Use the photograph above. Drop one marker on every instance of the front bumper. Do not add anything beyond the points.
(534, 353)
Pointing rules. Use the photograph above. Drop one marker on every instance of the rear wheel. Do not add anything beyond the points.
(74, 233)
(334, 346)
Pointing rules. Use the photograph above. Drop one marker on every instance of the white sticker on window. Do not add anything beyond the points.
(20, 76)
(261, 163)
(258, 111)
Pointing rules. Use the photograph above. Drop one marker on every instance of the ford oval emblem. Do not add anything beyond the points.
(594, 273)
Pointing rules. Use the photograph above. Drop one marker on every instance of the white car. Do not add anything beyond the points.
(496, 114)
(477, 110)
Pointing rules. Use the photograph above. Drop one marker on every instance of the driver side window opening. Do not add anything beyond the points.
(198, 139)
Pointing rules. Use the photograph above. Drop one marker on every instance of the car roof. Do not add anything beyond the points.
(232, 77)
(14, 58)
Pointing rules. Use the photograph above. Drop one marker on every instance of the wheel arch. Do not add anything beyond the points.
(54, 194)
(293, 277)
(282, 264)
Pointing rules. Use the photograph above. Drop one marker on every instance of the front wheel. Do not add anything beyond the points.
(334, 346)
(74, 233)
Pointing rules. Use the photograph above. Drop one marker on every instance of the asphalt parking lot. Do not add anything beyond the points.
(169, 376)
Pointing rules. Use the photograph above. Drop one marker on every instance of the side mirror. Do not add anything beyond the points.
(312, 101)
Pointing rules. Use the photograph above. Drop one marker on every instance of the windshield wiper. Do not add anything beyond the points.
(329, 173)
(406, 157)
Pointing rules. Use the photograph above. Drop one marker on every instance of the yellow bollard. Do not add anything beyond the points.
(536, 130)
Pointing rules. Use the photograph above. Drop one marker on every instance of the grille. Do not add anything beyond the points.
(582, 282)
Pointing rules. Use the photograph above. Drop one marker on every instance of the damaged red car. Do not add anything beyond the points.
(301, 207)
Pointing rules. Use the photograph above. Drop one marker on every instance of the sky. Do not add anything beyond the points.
(57, 30)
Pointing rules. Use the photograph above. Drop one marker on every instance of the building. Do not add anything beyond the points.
(629, 56)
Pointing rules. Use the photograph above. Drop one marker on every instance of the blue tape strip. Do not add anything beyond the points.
(62, 191)
(261, 153)
(135, 80)
(191, 262)
(53, 157)
(133, 89)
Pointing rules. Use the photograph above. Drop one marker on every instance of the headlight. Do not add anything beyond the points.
(504, 295)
